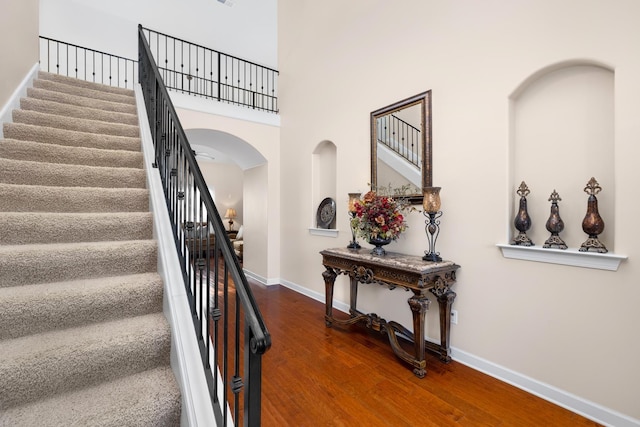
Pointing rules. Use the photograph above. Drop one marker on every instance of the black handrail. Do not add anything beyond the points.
(87, 64)
(198, 70)
(219, 295)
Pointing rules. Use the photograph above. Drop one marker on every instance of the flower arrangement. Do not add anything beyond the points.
(379, 216)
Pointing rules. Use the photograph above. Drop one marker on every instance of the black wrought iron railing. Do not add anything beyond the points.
(87, 64)
(197, 70)
(229, 327)
(401, 137)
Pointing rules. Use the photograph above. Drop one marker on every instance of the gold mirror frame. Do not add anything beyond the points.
(423, 101)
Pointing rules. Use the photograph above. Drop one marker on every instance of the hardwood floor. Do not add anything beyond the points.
(319, 376)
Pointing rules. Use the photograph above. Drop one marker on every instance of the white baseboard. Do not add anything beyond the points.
(573, 403)
(14, 100)
(260, 279)
(577, 404)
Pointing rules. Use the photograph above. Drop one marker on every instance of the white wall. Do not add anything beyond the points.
(247, 29)
(260, 192)
(225, 182)
(18, 44)
(572, 329)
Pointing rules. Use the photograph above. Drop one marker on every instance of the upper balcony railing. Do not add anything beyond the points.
(87, 64)
(185, 67)
(197, 70)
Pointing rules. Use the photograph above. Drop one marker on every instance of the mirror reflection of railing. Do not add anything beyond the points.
(197, 70)
(401, 146)
(87, 64)
(401, 137)
(230, 330)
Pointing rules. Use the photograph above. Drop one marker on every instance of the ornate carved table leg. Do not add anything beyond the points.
(353, 296)
(445, 298)
(419, 305)
(329, 279)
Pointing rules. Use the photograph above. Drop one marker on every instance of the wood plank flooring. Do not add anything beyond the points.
(319, 376)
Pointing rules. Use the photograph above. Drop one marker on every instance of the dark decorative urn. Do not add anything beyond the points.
(593, 224)
(555, 224)
(522, 221)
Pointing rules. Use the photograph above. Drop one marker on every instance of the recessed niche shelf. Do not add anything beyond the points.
(571, 257)
(326, 232)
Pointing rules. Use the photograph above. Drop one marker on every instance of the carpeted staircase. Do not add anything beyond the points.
(83, 340)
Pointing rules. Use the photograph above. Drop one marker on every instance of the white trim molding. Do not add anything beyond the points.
(326, 232)
(573, 257)
(14, 100)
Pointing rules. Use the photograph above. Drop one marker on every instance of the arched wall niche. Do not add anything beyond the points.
(562, 134)
(324, 159)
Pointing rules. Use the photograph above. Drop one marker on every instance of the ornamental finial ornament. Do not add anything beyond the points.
(554, 197)
(592, 187)
(523, 190)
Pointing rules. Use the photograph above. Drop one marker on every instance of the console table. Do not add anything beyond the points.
(395, 270)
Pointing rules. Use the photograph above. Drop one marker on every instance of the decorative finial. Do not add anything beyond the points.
(592, 187)
(523, 190)
(555, 197)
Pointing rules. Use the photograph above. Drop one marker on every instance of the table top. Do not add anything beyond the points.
(410, 263)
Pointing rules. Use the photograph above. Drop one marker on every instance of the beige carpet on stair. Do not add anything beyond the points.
(83, 337)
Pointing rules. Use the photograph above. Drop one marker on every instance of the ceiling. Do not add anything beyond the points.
(222, 147)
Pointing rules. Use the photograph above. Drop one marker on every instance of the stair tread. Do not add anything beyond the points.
(42, 198)
(66, 137)
(71, 123)
(43, 263)
(31, 309)
(62, 154)
(88, 354)
(72, 81)
(83, 112)
(49, 227)
(84, 92)
(149, 398)
(37, 173)
(81, 101)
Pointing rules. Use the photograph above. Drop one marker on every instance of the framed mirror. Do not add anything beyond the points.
(401, 146)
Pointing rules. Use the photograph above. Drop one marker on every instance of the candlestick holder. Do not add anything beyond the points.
(555, 224)
(431, 205)
(593, 224)
(352, 212)
(522, 221)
